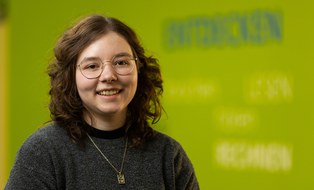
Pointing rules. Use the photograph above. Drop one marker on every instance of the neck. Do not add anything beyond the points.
(114, 134)
(106, 122)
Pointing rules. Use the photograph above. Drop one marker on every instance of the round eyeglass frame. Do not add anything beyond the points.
(110, 63)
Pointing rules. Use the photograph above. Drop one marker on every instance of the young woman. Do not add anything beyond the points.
(104, 94)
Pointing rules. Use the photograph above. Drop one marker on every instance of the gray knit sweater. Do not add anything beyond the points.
(48, 159)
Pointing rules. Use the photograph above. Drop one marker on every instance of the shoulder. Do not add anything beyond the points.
(176, 161)
(160, 136)
(35, 154)
(171, 148)
(36, 159)
(43, 138)
(166, 142)
(48, 132)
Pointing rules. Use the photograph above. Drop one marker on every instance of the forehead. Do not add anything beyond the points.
(106, 47)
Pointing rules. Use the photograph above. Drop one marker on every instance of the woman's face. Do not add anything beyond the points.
(110, 93)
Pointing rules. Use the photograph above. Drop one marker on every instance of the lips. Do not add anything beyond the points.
(108, 92)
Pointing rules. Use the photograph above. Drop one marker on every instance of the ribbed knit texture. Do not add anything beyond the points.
(48, 159)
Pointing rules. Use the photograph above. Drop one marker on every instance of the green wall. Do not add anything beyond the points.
(238, 81)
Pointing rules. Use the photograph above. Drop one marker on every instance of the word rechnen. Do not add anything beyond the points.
(270, 157)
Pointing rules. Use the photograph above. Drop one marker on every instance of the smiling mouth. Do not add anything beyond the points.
(108, 92)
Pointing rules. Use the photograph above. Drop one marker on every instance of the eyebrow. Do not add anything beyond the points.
(90, 58)
(122, 54)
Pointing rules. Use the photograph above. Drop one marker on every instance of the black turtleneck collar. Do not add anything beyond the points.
(114, 134)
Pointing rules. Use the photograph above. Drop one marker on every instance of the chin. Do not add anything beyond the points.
(111, 110)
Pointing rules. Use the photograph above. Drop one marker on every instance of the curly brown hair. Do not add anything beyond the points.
(66, 106)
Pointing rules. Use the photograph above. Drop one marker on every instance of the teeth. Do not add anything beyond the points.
(108, 92)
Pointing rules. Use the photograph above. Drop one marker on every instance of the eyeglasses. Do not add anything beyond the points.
(92, 67)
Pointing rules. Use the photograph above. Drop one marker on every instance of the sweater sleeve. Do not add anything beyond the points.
(185, 177)
(33, 166)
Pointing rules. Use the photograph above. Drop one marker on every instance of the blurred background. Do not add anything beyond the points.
(238, 78)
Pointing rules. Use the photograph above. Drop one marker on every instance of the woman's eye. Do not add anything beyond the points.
(121, 62)
(92, 66)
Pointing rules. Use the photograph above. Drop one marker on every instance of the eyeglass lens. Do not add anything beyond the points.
(93, 67)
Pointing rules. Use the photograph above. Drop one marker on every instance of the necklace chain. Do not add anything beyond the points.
(120, 175)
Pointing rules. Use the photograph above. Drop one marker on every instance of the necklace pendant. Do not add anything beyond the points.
(121, 179)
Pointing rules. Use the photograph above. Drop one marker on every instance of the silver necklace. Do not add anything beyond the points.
(120, 175)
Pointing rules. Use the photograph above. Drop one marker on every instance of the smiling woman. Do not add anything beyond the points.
(101, 134)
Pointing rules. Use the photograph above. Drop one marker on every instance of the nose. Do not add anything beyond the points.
(108, 74)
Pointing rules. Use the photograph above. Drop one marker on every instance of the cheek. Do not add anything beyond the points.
(131, 85)
(134, 84)
(82, 84)
(78, 81)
